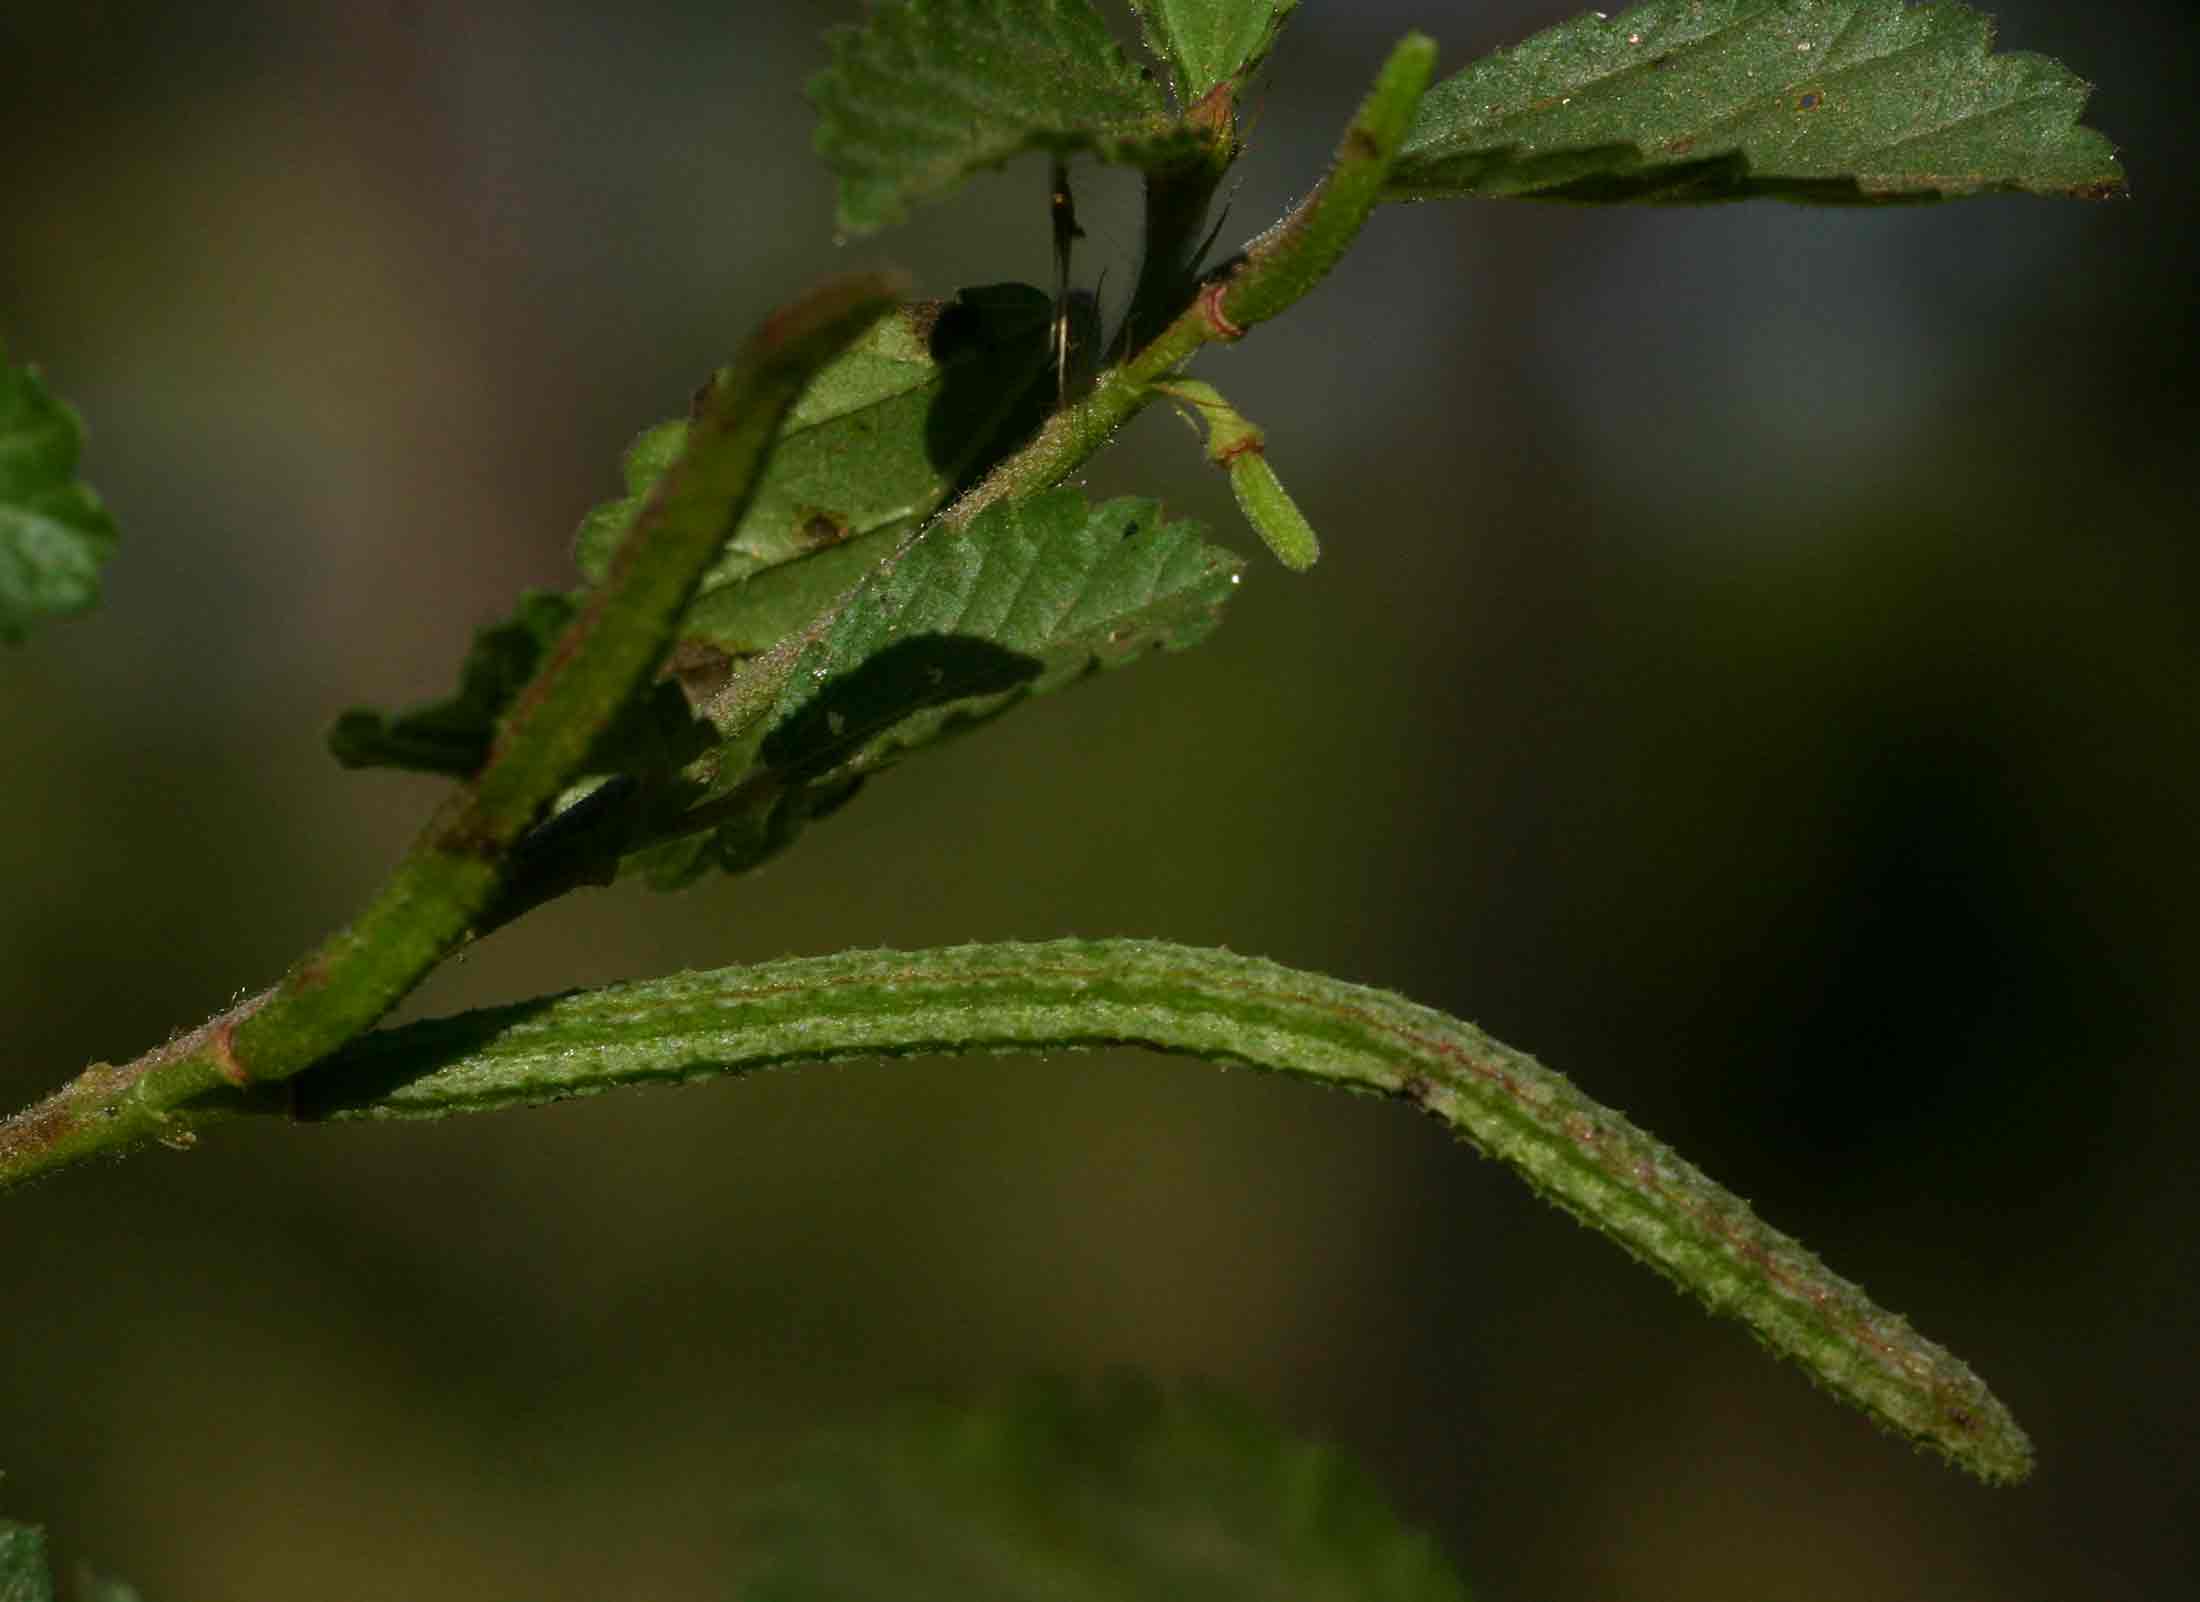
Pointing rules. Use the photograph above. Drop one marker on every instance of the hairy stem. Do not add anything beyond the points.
(1177, 201)
(1295, 255)
(453, 870)
(1582, 1156)
(1265, 278)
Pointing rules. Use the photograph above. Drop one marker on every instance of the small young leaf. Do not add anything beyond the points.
(1206, 42)
(1806, 100)
(54, 534)
(928, 92)
(1051, 1492)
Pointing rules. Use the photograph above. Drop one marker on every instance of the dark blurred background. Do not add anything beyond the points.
(1752, 667)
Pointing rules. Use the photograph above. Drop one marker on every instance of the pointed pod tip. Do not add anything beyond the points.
(1413, 55)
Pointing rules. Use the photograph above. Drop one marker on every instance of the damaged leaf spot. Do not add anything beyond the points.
(820, 529)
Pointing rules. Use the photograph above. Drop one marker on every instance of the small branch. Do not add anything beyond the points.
(1295, 255)
(452, 872)
(1177, 199)
(1264, 279)
(1330, 217)
(1580, 1155)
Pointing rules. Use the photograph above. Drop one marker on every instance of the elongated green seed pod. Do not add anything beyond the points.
(1226, 1008)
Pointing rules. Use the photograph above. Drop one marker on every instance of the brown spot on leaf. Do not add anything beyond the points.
(819, 529)
(923, 316)
(1360, 145)
(1809, 100)
(700, 668)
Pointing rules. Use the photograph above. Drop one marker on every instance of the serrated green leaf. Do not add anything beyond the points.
(1051, 1492)
(1806, 100)
(654, 449)
(927, 399)
(54, 533)
(928, 92)
(1031, 596)
(24, 1576)
(943, 635)
(1206, 42)
(920, 404)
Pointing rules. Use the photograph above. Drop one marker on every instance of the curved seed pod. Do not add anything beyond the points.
(1078, 994)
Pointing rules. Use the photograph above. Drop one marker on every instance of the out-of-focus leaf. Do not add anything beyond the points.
(54, 534)
(1206, 42)
(95, 1587)
(926, 93)
(1049, 1494)
(24, 1576)
(1837, 101)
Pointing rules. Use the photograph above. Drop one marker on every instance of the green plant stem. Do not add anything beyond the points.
(1266, 278)
(1224, 1008)
(1177, 198)
(1296, 254)
(453, 870)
